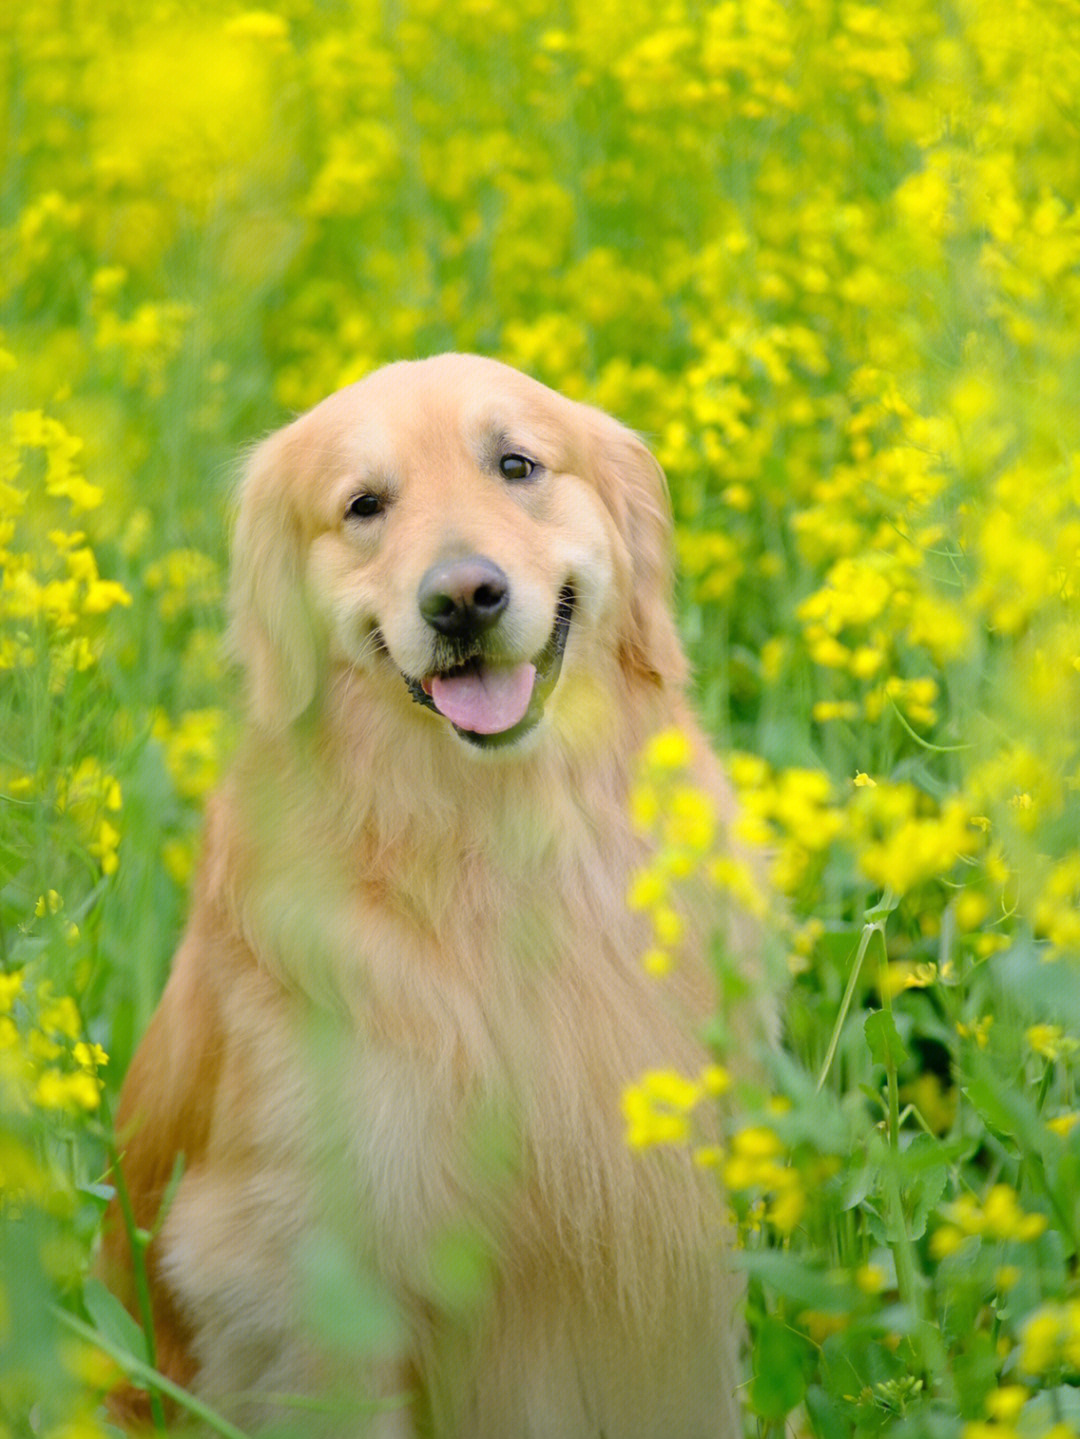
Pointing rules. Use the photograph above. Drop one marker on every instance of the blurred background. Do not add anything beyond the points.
(825, 256)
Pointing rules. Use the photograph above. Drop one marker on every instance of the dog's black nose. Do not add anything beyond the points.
(462, 598)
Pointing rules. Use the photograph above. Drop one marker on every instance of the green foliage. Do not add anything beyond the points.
(826, 256)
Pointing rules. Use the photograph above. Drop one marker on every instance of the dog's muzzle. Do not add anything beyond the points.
(488, 703)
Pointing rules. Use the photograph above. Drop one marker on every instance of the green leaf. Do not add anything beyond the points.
(1005, 1108)
(836, 946)
(460, 1270)
(1053, 1407)
(857, 1184)
(1039, 988)
(923, 1160)
(343, 1306)
(884, 907)
(853, 1362)
(806, 1286)
(100, 1193)
(827, 1420)
(169, 1195)
(886, 1046)
(111, 1318)
(975, 1372)
(781, 1360)
(1042, 1272)
(1065, 1189)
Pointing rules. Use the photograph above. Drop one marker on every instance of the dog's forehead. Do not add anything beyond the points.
(450, 400)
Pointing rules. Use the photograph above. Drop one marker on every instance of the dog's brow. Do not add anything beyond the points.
(494, 441)
(368, 454)
(498, 434)
(362, 445)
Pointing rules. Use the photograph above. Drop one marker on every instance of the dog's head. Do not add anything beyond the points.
(462, 535)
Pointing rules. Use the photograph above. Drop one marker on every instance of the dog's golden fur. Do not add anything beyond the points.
(410, 993)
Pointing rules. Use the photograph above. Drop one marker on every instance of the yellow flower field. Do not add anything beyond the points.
(825, 256)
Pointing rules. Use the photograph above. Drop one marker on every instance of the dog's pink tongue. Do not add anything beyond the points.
(486, 700)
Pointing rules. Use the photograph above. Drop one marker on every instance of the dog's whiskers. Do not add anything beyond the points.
(373, 644)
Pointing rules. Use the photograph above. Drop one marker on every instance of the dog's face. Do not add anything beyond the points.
(460, 535)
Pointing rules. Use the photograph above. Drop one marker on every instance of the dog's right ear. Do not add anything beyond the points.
(272, 631)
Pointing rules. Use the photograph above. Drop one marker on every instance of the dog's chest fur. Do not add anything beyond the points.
(430, 1040)
(457, 985)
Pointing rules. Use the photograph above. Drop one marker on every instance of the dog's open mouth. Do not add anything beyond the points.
(492, 704)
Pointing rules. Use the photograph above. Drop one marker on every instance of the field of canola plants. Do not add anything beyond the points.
(825, 256)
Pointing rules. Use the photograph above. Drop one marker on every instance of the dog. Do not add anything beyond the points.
(396, 1033)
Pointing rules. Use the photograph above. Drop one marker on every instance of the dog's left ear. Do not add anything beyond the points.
(272, 631)
(634, 489)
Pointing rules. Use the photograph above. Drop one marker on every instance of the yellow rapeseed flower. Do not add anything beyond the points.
(48, 903)
(657, 1108)
(870, 1278)
(668, 926)
(946, 1240)
(60, 1016)
(658, 962)
(257, 25)
(979, 1031)
(998, 1216)
(689, 819)
(668, 750)
(647, 890)
(1005, 1403)
(1051, 1041)
(708, 1156)
(715, 1079)
(1041, 1339)
(757, 1142)
(11, 986)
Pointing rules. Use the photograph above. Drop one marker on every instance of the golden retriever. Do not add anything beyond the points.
(393, 1045)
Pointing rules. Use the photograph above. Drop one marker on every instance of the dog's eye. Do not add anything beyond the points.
(363, 507)
(516, 467)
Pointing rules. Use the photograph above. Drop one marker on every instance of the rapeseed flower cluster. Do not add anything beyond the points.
(688, 848)
(50, 588)
(659, 1108)
(1051, 1338)
(46, 1061)
(998, 1216)
(766, 1187)
(50, 1086)
(826, 257)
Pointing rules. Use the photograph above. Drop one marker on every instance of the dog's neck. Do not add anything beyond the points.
(410, 778)
(392, 815)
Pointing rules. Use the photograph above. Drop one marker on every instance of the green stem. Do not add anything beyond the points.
(900, 1240)
(1044, 1085)
(925, 743)
(137, 1244)
(908, 1279)
(875, 925)
(149, 1378)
